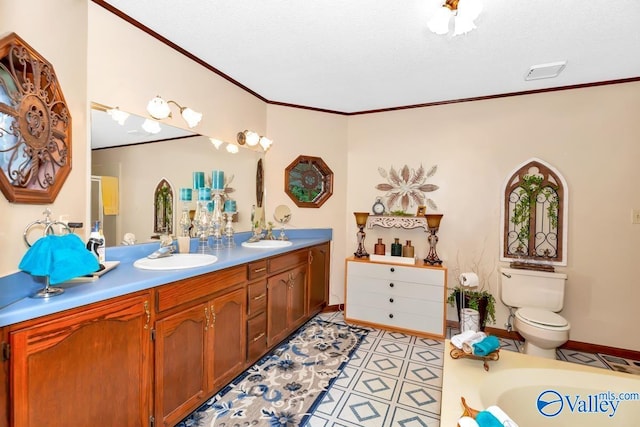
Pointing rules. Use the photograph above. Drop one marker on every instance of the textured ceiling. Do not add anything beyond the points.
(362, 55)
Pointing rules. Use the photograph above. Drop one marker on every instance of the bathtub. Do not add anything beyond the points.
(537, 392)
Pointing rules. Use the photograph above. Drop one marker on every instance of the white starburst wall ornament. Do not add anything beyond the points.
(406, 187)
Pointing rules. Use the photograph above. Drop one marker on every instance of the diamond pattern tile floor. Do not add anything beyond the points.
(395, 380)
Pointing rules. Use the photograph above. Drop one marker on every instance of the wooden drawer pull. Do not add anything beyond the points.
(259, 297)
(259, 270)
(258, 337)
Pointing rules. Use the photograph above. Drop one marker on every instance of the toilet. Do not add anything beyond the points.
(537, 296)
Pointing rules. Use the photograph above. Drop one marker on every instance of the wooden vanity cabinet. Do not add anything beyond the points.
(319, 261)
(286, 295)
(200, 341)
(4, 379)
(87, 366)
(256, 311)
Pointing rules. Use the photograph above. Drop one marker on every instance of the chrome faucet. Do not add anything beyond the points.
(167, 247)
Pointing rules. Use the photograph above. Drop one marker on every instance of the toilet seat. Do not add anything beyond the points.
(542, 318)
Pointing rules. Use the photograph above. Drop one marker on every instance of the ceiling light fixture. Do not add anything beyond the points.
(464, 13)
(159, 109)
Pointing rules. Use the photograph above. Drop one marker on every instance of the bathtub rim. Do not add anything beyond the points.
(464, 377)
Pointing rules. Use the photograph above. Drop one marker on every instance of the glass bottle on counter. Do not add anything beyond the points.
(408, 251)
(379, 248)
(396, 248)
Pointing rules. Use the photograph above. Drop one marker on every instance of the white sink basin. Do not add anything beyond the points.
(267, 244)
(175, 262)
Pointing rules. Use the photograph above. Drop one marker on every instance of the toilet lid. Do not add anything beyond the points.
(543, 317)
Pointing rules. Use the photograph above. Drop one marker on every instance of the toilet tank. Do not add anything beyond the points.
(530, 288)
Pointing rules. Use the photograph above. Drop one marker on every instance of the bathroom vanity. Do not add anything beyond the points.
(150, 357)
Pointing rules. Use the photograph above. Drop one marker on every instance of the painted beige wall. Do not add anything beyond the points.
(301, 132)
(58, 32)
(127, 68)
(590, 135)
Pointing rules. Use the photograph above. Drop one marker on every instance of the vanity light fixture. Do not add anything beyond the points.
(248, 137)
(216, 143)
(232, 148)
(159, 109)
(252, 139)
(464, 13)
(265, 143)
(151, 126)
(118, 115)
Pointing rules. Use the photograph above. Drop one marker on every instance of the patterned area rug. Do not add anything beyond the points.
(284, 387)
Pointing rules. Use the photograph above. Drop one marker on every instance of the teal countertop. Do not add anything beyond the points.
(16, 305)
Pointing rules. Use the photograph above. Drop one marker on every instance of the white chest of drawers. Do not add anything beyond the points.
(408, 298)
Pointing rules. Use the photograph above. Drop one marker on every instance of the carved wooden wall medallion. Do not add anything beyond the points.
(35, 125)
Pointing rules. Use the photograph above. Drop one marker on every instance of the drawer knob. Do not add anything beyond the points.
(391, 316)
(393, 269)
(390, 299)
(391, 285)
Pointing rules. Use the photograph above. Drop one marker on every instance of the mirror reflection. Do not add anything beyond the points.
(129, 163)
(282, 215)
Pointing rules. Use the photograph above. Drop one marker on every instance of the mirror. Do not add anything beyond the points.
(308, 181)
(137, 162)
(282, 215)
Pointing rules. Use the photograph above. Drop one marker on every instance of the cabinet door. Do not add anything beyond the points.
(87, 368)
(4, 380)
(297, 288)
(229, 336)
(318, 278)
(182, 362)
(277, 287)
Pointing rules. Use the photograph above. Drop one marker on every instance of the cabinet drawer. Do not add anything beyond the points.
(432, 323)
(393, 303)
(358, 285)
(287, 261)
(257, 297)
(257, 269)
(432, 276)
(256, 336)
(194, 288)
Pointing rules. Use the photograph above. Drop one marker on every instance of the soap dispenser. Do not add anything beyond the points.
(96, 242)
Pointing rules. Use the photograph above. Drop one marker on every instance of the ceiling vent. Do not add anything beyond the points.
(545, 71)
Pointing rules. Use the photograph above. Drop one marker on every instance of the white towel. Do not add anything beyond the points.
(501, 416)
(458, 339)
(467, 346)
(467, 422)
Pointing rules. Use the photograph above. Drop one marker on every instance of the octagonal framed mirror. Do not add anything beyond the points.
(308, 181)
(35, 125)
